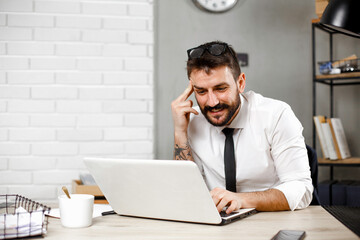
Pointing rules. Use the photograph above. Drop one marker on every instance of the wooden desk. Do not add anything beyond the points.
(315, 220)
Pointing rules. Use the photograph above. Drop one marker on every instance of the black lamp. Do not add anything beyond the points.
(343, 16)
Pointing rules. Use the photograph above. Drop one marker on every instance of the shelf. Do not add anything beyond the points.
(351, 78)
(316, 23)
(354, 161)
(339, 76)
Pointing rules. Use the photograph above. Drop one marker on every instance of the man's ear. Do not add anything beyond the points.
(241, 82)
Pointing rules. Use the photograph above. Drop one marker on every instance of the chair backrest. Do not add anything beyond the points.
(314, 173)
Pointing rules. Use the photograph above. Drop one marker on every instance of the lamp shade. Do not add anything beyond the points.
(343, 16)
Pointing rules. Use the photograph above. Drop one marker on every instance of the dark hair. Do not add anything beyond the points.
(207, 62)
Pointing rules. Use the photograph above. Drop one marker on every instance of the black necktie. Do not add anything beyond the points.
(229, 160)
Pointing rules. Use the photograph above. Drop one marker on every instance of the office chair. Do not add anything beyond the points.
(314, 174)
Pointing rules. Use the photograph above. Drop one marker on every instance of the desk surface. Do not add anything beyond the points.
(315, 220)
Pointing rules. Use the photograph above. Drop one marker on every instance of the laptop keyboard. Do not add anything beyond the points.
(224, 214)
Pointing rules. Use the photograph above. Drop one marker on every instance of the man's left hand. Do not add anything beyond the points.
(223, 198)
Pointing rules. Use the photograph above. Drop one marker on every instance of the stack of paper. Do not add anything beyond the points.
(22, 224)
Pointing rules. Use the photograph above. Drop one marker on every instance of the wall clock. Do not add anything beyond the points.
(215, 6)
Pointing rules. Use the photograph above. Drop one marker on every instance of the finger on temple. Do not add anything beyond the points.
(188, 91)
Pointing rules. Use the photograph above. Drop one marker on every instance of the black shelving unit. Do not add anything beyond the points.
(332, 80)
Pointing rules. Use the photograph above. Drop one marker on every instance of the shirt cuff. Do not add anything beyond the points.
(297, 194)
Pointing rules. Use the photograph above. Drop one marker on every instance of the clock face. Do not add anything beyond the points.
(216, 6)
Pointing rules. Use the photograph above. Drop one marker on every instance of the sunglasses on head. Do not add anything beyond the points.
(215, 49)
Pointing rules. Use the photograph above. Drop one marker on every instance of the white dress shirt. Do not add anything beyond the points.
(269, 147)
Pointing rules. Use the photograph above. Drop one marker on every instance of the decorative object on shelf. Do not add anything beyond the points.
(343, 16)
(22, 217)
(326, 68)
(353, 60)
(215, 6)
(345, 65)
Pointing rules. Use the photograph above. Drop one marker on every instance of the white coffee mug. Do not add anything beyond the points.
(76, 212)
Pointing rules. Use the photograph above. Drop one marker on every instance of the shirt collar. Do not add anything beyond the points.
(240, 119)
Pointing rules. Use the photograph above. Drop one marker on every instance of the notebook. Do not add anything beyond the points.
(159, 189)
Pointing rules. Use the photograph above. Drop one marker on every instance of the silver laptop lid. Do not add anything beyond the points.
(161, 189)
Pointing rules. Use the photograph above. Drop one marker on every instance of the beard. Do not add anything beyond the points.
(231, 110)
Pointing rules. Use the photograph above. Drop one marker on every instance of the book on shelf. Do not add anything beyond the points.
(336, 144)
(332, 138)
(329, 141)
(318, 120)
(340, 138)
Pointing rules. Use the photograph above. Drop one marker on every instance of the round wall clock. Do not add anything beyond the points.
(215, 6)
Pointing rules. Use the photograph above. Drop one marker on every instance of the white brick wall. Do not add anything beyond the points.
(32, 163)
(46, 6)
(29, 20)
(30, 48)
(105, 8)
(16, 5)
(30, 77)
(2, 19)
(8, 34)
(76, 79)
(13, 63)
(55, 34)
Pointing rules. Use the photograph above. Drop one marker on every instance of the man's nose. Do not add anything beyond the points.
(212, 100)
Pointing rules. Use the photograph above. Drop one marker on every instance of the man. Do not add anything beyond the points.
(270, 171)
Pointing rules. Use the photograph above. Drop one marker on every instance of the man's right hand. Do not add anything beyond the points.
(181, 109)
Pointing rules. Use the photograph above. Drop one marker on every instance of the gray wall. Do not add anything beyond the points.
(277, 36)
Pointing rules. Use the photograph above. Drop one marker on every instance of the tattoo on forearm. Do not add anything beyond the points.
(182, 153)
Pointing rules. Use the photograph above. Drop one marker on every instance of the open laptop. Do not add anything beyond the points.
(160, 189)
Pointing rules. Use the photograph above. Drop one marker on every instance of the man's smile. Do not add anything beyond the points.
(216, 110)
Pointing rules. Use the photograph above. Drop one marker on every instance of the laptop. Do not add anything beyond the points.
(159, 189)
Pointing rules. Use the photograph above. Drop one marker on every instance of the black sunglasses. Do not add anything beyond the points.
(215, 49)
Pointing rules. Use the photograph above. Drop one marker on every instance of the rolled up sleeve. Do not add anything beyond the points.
(291, 160)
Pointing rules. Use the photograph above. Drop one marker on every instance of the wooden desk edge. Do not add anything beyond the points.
(264, 224)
